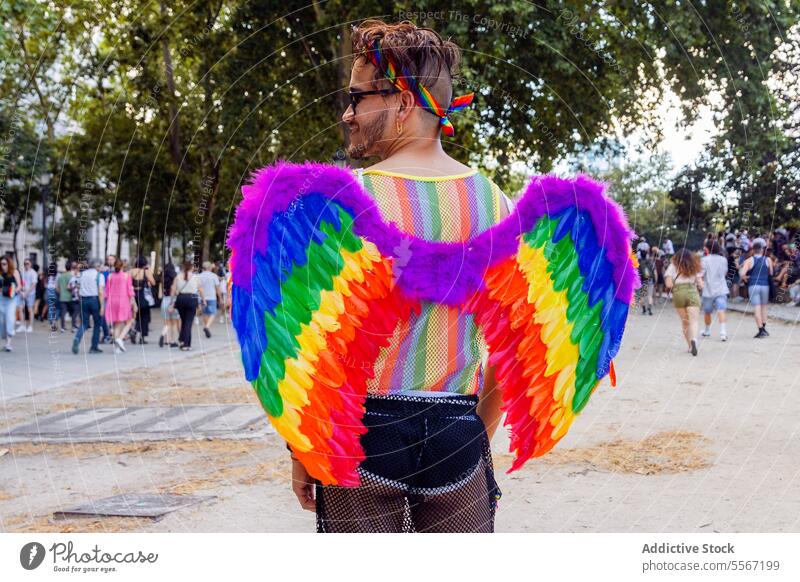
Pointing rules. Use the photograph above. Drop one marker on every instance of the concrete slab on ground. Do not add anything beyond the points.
(133, 505)
(138, 423)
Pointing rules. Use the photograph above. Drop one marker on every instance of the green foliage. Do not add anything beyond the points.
(166, 107)
(641, 187)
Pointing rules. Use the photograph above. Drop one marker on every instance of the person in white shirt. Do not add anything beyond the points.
(209, 283)
(744, 242)
(715, 289)
(91, 285)
(669, 249)
(27, 296)
(642, 249)
(185, 289)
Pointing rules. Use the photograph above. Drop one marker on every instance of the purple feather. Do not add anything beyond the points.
(441, 272)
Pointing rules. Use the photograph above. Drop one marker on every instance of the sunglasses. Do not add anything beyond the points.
(357, 96)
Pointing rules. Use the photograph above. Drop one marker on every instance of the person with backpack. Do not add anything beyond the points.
(756, 272)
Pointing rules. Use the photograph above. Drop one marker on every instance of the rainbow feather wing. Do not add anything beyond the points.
(554, 313)
(313, 303)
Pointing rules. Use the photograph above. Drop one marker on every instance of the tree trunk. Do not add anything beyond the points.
(174, 122)
(119, 238)
(15, 230)
(108, 230)
(210, 189)
(343, 67)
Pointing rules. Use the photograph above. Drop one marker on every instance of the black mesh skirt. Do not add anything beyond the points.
(428, 468)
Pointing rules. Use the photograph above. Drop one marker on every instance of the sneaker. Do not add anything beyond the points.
(207, 332)
(63, 330)
(706, 333)
(174, 345)
(120, 344)
(161, 342)
(186, 349)
(7, 349)
(74, 346)
(20, 329)
(29, 329)
(649, 310)
(723, 337)
(95, 351)
(694, 348)
(117, 351)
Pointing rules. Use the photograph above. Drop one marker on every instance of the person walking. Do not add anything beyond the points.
(143, 284)
(108, 268)
(10, 284)
(90, 291)
(64, 296)
(756, 272)
(74, 289)
(715, 289)
(120, 305)
(647, 277)
(209, 283)
(29, 278)
(51, 296)
(185, 289)
(683, 277)
(171, 326)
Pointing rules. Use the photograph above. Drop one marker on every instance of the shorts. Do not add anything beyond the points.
(428, 467)
(28, 300)
(210, 308)
(685, 295)
(717, 303)
(759, 294)
(167, 302)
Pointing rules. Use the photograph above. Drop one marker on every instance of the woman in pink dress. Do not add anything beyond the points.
(120, 304)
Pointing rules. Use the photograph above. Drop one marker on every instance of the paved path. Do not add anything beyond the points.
(43, 359)
(683, 444)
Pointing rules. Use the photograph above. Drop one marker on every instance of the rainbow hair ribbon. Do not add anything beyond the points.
(423, 97)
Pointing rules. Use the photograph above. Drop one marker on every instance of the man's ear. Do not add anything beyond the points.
(407, 104)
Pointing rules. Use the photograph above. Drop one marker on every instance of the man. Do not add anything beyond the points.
(91, 285)
(394, 123)
(755, 272)
(715, 289)
(28, 296)
(209, 283)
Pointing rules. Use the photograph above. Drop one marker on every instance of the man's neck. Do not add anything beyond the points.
(421, 158)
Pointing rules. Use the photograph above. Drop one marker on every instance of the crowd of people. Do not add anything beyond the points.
(729, 267)
(114, 299)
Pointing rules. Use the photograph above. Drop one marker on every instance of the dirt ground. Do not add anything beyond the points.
(682, 444)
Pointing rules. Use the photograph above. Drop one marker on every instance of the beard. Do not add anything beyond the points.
(370, 135)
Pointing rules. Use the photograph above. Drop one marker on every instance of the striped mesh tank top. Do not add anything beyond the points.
(440, 351)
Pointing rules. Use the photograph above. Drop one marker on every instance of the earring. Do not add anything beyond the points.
(399, 128)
